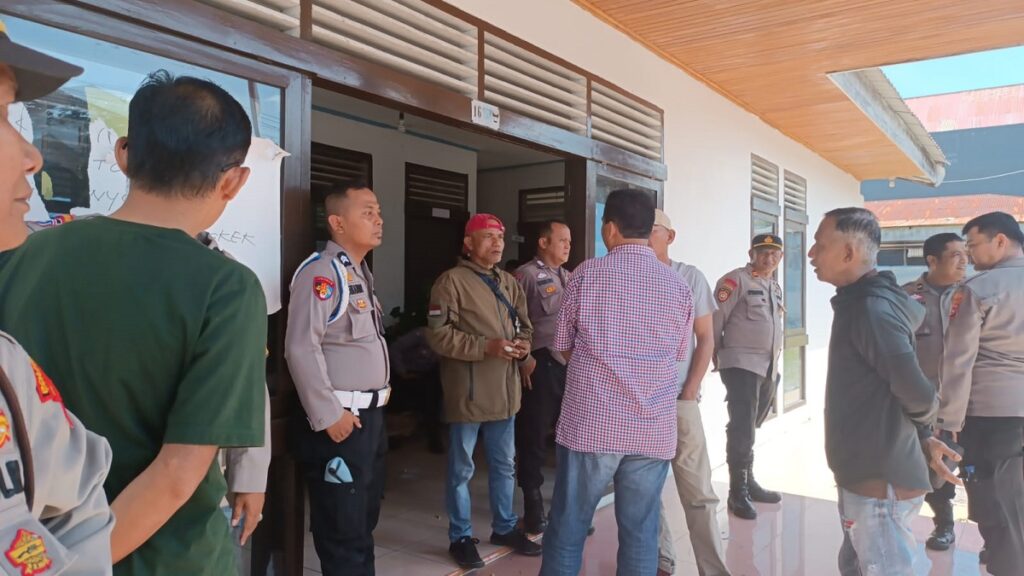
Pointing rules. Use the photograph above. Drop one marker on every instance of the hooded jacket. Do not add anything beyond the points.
(879, 405)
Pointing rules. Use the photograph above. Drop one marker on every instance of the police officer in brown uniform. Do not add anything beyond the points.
(748, 339)
(543, 280)
(339, 360)
(54, 515)
(947, 264)
(982, 395)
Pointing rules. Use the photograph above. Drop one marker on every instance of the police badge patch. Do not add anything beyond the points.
(5, 429)
(323, 288)
(47, 391)
(28, 553)
(725, 290)
(954, 307)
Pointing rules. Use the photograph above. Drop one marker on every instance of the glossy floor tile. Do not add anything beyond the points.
(800, 537)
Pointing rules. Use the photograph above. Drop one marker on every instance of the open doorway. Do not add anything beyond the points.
(429, 177)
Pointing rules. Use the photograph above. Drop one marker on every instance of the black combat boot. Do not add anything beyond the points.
(739, 495)
(942, 537)
(759, 494)
(534, 521)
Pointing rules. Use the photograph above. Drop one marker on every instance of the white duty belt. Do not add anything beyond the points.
(356, 401)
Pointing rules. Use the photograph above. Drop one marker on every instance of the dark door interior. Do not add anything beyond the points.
(436, 211)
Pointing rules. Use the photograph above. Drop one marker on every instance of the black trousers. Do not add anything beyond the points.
(539, 411)
(994, 474)
(750, 397)
(342, 517)
(943, 497)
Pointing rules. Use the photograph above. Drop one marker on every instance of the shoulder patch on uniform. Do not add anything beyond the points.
(55, 221)
(46, 390)
(323, 288)
(725, 289)
(5, 429)
(309, 260)
(954, 305)
(28, 553)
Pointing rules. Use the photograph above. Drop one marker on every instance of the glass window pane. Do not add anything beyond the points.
(75, 128)
(795, 277)
(763, 223)
(793, 375)
(606, 186)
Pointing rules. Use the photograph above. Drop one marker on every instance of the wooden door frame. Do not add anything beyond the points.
(282, 527)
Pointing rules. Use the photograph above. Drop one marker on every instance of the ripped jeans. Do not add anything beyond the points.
(877, 540)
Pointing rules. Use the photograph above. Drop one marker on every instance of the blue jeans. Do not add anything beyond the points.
(580, 483)
(877, 540)
(499, 447)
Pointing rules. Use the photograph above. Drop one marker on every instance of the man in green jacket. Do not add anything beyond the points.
(480, 327)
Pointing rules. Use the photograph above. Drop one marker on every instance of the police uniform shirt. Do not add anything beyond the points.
(983, 364)
(748, 322)
(335, 335)
(930, 333)
(68, 528)
(544, 287)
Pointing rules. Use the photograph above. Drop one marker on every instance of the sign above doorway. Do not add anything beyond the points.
(487, 115)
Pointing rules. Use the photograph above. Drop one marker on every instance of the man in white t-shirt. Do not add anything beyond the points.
(691, 466)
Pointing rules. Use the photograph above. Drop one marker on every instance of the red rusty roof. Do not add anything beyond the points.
(970, 109)
(943, 210)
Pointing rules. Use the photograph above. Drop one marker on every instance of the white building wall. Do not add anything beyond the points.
(391, 150)
(708, 142)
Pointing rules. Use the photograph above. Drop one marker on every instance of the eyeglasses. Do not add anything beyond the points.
(231, 165)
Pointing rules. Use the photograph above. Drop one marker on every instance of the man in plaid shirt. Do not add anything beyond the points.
(626, 320)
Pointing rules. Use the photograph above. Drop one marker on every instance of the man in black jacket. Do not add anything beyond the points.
(879, 406)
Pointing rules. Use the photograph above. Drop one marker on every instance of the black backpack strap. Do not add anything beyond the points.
(492, 283)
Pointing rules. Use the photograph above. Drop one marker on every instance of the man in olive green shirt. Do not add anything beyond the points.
(158, 341)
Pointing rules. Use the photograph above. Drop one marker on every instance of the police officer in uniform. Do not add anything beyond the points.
(748, 339)
(947, 264)
(54, 515)
(982, 395)
(543, 280)
(338, 359)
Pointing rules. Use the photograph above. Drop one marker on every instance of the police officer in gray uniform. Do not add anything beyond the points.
(983, 386)
(338, 358)
(54, 515)
(748, 339)
(947, 263)
(543, 280)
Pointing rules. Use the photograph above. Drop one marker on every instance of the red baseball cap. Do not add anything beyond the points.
(484, 222)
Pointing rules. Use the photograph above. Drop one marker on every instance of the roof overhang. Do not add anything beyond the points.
(776, 59)
(876, 97)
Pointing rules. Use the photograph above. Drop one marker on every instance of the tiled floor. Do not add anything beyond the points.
(797, 538)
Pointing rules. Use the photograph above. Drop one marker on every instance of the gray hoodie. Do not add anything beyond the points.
(878, 402)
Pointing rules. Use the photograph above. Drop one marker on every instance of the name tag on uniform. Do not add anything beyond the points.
(355, 289)
(545, 282)
(755, 292)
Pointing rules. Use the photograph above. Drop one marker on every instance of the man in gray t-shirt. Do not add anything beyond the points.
(691, 466)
